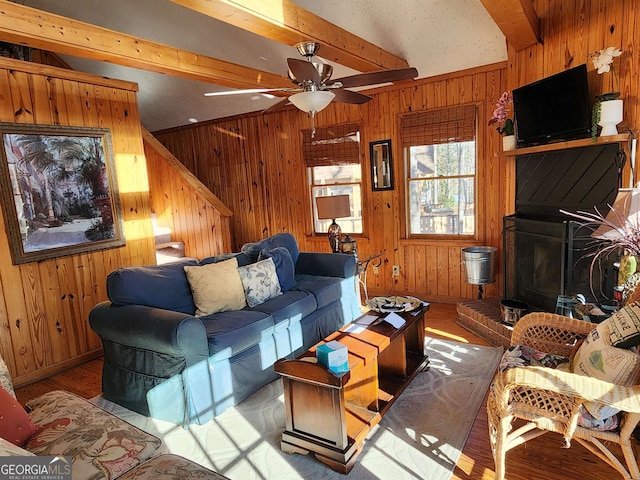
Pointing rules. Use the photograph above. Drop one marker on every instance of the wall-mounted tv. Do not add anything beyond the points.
(556, 108)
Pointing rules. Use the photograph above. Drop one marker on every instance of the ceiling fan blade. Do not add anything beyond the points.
(277, 106)
(347, 96)
(373, 78)
(248, 90)
(303, 70)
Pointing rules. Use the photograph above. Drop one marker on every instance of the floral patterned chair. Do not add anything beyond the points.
(100, 444)
(548, 382)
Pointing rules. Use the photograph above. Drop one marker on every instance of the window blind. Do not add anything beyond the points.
(445, 125)
(336, 145)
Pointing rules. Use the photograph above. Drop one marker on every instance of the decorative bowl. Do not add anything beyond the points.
(393, 303)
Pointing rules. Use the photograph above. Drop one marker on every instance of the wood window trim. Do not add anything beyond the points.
(481, 172)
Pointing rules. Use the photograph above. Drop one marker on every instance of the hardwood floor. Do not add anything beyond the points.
(543, 458)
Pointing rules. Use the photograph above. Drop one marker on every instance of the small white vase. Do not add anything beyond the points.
(508, 142)
(610, 116)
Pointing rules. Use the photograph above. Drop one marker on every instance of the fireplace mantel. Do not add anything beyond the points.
(549, 147)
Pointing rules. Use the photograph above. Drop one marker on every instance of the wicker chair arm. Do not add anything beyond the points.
(549, 332)
(626, 399)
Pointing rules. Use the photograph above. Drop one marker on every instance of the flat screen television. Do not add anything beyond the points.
(555, 108)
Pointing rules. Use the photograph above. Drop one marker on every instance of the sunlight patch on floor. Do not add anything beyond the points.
(444, 334)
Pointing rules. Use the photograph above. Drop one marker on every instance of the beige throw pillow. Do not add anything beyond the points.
(216, 287)
(597, 358)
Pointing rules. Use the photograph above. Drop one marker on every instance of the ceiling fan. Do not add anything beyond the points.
(315, 88)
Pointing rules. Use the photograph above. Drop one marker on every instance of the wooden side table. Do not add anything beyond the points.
(330, 414)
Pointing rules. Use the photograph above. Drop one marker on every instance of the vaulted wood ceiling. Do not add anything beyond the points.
(279, 20)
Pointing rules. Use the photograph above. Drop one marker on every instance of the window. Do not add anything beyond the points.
(440, 159)
(332, 156)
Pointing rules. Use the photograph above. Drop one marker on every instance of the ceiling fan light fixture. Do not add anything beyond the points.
(313, 100)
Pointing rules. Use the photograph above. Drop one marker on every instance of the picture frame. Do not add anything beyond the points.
(381, 165)
(59, 191)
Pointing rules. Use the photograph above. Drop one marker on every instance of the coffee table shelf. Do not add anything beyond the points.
(330, 415)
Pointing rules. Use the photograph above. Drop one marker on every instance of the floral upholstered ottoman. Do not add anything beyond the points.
(100, 444)
(169, 466)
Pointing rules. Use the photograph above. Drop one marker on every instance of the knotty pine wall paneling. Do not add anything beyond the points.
(429, 268)
(259, 174)
(45, 305)
(573, 30)
(192, 220)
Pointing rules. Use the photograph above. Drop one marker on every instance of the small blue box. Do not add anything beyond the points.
(333, 355)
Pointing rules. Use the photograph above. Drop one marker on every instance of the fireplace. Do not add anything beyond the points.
(546, 254)
(549, 259)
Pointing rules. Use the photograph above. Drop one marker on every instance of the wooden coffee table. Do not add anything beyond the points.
(330, 415)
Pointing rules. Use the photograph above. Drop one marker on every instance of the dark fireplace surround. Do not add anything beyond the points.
(546, 253)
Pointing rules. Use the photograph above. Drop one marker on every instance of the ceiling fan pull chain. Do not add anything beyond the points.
(312, 114)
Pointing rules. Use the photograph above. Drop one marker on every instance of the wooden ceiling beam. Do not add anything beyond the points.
(288, 23)
(47, 31)
(517, 19)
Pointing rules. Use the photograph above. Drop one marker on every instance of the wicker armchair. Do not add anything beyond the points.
(548, 399)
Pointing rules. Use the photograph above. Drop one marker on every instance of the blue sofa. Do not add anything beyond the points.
(162, 361)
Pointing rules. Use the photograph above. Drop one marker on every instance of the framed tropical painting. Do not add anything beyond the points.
(59, 192)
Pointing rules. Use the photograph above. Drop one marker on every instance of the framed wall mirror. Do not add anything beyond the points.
(381, 165)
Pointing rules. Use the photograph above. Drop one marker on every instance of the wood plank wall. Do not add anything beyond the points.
(177, 205)
(45, 305)
(253, 163)
(573, 30)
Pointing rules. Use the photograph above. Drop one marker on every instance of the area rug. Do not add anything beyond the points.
(420, 437)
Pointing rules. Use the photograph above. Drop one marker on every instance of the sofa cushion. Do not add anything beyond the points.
(285, 267)
(101, 445)
(242, 259)
(278, 240)
(326, 290)
(234, 331)
(289, 307)
(216, 287)
(260, 282)
(15, 424)
(160, 286)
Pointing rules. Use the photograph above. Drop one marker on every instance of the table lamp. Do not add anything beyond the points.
(336, 206)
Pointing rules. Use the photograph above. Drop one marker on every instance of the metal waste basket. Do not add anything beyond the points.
(479, 265)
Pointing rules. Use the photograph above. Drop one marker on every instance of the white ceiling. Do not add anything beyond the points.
(435, 36)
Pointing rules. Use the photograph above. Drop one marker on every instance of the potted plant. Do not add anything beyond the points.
(607, 111)
(617, 232)
(505, 124)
